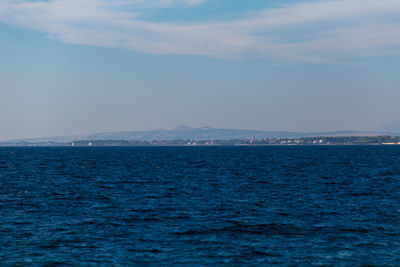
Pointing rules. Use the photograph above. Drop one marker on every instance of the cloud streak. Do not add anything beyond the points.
(303, 32)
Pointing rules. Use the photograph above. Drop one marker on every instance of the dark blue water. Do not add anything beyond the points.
(182, 206)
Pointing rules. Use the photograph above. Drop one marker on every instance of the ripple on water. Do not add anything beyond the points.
(259, 206)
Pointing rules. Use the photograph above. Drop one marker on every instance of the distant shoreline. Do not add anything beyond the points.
(137, 146)
(304, 141)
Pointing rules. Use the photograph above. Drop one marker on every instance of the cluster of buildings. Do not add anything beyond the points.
(323, 140)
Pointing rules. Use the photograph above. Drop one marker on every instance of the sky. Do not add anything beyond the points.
(70, 67)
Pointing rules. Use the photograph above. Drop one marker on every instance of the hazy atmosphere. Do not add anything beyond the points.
(78, 67)
(199, 132)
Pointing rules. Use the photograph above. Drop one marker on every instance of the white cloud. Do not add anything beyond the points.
(159, 3)
(309, 31)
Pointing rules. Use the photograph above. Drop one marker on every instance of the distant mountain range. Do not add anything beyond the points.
(184, 132)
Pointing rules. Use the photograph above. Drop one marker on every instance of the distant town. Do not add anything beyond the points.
(303, 141)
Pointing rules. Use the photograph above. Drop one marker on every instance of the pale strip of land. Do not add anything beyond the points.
(303, 141)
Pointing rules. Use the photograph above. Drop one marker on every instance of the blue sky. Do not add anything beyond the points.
(76, 67)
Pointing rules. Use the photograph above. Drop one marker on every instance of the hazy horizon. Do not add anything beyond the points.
(73, 67)
(181, 128)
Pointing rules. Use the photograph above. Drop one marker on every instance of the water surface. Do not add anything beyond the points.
(208, 206)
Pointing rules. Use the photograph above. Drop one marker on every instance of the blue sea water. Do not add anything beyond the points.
(203, 206)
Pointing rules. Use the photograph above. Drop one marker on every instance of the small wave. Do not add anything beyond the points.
(360, 194)
(258, 229)
(354, 230)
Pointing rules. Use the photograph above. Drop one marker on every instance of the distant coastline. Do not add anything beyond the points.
(252, 141)
(184, 132)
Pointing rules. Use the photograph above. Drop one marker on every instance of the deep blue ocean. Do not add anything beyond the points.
(201, 206)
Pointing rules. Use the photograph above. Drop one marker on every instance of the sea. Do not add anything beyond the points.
(200, 206)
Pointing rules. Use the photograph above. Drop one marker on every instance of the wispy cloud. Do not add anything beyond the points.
(158, 3)
(308, 31)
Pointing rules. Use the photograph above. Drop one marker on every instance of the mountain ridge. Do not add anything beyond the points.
(184, 132)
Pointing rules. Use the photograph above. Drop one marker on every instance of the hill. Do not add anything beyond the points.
(184, 132)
